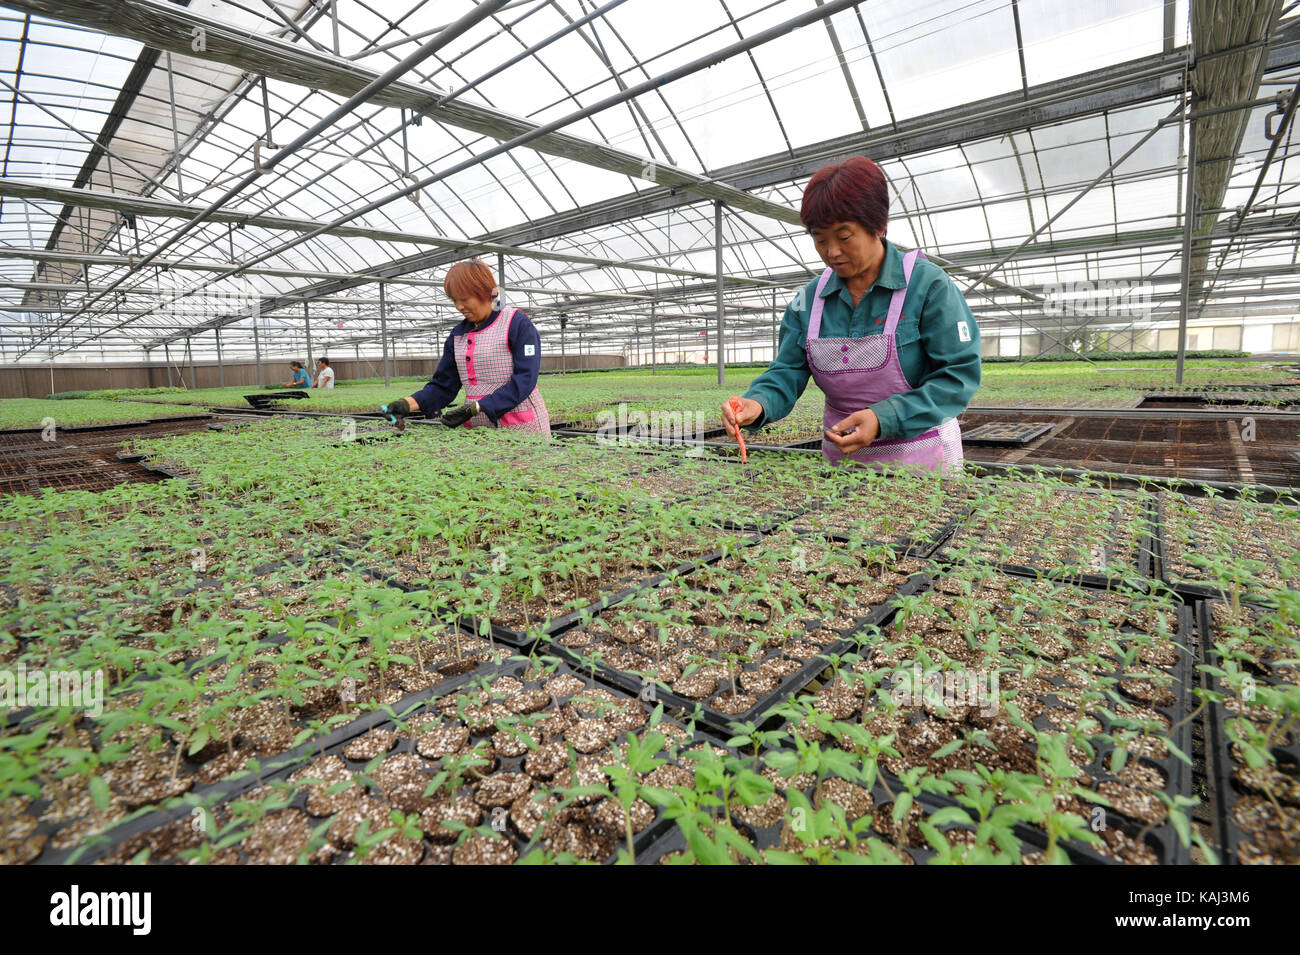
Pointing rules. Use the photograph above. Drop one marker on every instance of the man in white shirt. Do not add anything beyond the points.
(324, 374)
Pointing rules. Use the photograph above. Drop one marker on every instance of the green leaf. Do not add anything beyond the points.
(901, 805)
(99, 791)
(199, 740)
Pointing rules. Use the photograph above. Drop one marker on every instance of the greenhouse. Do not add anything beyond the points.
(654, 432)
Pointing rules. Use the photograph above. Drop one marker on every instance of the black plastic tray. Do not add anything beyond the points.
(1188, 589)
(1142, 561)
(1162, 838)
(1227, 791)
(273, 767)
(720, 722)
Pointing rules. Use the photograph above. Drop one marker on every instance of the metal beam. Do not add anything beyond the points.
(717, 237)
(1123, 85)
(164, 26)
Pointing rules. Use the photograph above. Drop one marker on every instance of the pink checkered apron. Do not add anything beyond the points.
(485, 364)
(855, 373)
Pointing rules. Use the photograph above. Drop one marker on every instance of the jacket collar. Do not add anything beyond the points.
(467, 326)
(890, 277)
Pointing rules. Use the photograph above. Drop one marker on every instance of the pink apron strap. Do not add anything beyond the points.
(815, 319)
(896, 300)
(508, 313)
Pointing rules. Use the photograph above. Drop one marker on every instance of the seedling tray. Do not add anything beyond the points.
(1190, 582)
(545, 627)
(554, 625)
(1161, 838)
(774, 836)
(226, 790)
(1138, 560)
(580, 696)
(1232, 794)
(715, 720)
(263, 398)
(939, 529)
(1014, 434)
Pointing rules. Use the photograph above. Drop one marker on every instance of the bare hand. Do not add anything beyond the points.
(750, 411)
(855, 432)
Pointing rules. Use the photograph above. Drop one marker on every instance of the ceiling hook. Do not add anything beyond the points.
(257, 157)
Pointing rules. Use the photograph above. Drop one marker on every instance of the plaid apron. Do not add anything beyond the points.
(857, 372)
(485, 364)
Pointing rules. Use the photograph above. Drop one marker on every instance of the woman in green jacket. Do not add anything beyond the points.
(887, 337)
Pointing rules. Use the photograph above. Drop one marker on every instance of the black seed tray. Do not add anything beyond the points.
(1140, 559)
(236, 785)
(1163, 838)
(1195, 589)
(1228, 790)
(717, 721)
(770, 837)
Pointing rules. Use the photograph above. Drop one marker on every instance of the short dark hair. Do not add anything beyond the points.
(852, 191)
(471, 277)
(295, 364)
(324, 361)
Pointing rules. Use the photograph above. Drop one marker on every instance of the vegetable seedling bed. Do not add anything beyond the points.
(1095, 538)
(911, 525)
(501, 767)
(1255, 750)
(256, 739)
(696, 648)
(786, 827)
(155, 827)
(549, 626)
(544, 623)
(1112, 727)
(1207, 545)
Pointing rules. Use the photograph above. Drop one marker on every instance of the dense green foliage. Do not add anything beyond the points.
(77, 412)
(245, 613)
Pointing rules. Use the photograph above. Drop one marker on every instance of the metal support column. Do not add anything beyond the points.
(189, 353)
(306, 324)
(652, 337)
(776, 325)
(1189, 221)
(501, 276)
(564, 364)
(717, 245)
(257, 348)
(167, 357)
(221, 365)
(383, 330)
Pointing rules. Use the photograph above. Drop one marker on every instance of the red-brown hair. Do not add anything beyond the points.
(852, 191)
(470, 279)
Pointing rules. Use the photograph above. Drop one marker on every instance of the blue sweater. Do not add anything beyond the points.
(526, 347)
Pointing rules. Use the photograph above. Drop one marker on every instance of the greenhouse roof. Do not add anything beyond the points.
(1027, 144)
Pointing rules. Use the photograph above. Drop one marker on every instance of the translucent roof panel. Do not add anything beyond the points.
(1064, 39)
(943, 53)
(620, 210)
